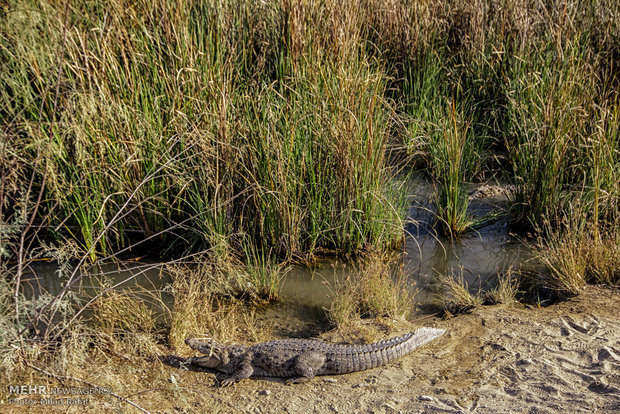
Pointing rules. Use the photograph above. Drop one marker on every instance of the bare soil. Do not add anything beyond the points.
(493, 359)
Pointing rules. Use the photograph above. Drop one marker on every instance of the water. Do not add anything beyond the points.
(46, 277)
(479, 256)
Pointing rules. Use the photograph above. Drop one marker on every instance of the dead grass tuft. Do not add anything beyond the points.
(125, 325)
(205, 304)
(578, 254)
(506, 290)
(373, 291)
(456, 295)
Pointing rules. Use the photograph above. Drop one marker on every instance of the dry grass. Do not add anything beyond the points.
(457, 297)
(455, 293)
(579, 254)
(125, 325)
(506, 290)
(373, 291)
(119, 341)
(205, 304)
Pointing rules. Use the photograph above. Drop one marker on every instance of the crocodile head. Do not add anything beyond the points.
(211, 361)
(215, 356)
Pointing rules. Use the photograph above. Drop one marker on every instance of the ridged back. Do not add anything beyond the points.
(338, 359)
(350, 358)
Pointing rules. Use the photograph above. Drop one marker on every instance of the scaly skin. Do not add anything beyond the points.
(301, 359)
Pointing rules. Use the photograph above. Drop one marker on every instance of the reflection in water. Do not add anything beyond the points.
(478, 255)
(146, 281)
(47, 277)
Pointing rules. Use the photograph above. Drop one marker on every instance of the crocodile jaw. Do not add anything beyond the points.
(215, 356)
(207, 361)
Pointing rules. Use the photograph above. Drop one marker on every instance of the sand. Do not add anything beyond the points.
(494, 359)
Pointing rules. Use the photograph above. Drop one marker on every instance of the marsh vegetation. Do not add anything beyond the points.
(233, 138)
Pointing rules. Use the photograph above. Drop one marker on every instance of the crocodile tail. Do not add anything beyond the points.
(347, 358)
(418, 338)
(397, 347)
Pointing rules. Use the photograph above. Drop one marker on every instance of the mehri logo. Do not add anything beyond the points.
(28, 389)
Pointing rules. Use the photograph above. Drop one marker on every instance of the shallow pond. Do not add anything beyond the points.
(479, 256)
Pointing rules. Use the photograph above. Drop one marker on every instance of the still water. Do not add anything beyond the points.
(479, 256)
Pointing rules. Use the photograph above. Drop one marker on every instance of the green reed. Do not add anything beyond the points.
(191, 123)
(195, 125)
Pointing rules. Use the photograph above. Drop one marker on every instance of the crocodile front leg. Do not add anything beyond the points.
(307, 365)
(244, 370)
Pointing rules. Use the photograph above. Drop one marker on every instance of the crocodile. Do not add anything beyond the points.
(300, 360)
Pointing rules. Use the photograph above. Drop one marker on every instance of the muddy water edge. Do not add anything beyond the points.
(486, 362)
(476, 257)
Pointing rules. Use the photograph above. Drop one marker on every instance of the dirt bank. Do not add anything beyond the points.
(498, 359)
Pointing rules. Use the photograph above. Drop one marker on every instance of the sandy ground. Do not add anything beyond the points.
(496, 359)
(565, 357)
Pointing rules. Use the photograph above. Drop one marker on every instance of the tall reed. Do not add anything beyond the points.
(192, 124)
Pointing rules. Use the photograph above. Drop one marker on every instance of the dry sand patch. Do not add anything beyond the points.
(496, 359)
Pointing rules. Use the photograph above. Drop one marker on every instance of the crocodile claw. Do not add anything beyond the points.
(227, 382)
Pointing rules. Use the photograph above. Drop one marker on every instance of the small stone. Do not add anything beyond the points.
(330, 380)
(426, 398)
(359, 385)
(524, 361)
(264, 392)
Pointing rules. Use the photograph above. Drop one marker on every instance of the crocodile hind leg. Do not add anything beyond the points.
(307, 364)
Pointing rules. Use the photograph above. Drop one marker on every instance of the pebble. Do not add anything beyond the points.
(426, 398)
(524, 361)
(330, 380)
(359, 385)
(264, 392)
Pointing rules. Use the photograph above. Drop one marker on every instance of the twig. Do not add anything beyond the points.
(145, 391)
(424, 317)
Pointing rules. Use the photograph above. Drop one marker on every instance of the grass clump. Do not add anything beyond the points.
(439, 129)
(371, 292)
(553, 117)
(506, 290)
(579, 254)
(184, 124)
(210, 301)
(450, 156)
(125, 325)
(535, 93)
(456, 295)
